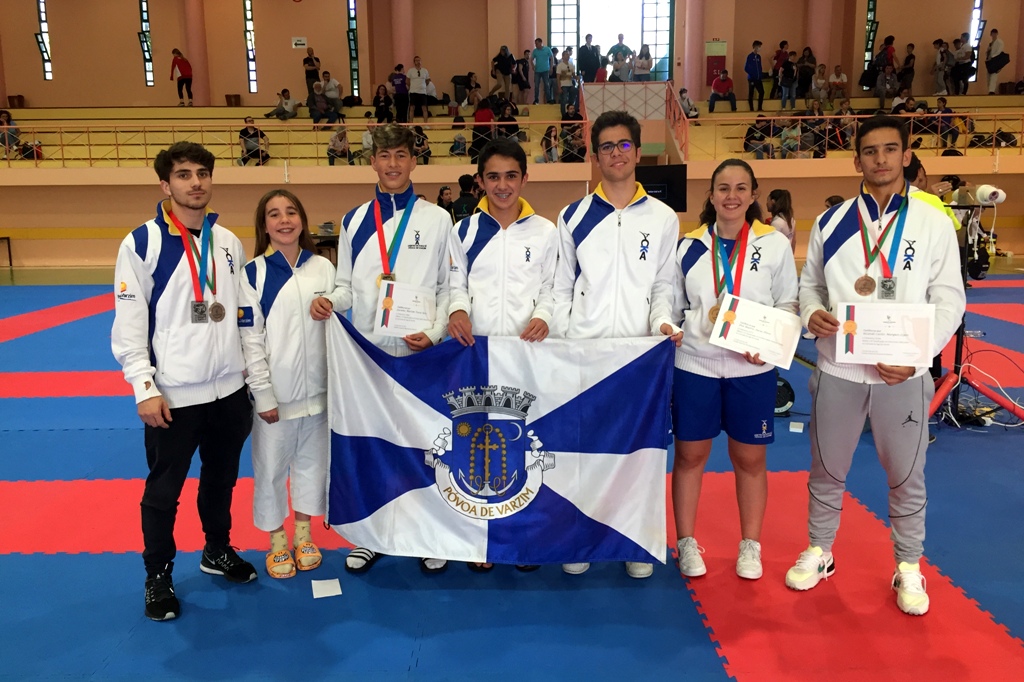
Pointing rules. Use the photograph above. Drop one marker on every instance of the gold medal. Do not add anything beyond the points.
(865, 285)
(713, 313)
(217, 312)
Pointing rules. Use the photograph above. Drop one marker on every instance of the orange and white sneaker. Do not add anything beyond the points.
(911, 591)
(811, 566)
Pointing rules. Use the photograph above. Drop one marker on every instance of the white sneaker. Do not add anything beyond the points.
(576, 569)
(911, 595)
(809, 335)
(691, 565)
(811, 566)
(748, 565)
(639, 569)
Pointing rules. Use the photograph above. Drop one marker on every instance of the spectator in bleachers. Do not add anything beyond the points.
(382, 105)
(542, 61)
(721, 88)
(845, 123)
(946, 121)
(549, 146)
(183, 69)
(508, 126)
(755, 76)
(643, 64)
(474, 93)
(831, 201)
(620, 48)
(286, 107)
(906, 74)
(758, 138)
(620, 69)
(805, 68)
(432, 98)
(483, 129)
(502, 66)
(939, 67)
(837, 85)
(10, 136)
(573, 145)
(320, 108)
(780, 207)
(819, 86)
(602, 71)
(458, 146)
(418, 77)
(553, 73)
(690, 110)
(589, 59)
(889, 50)
(366, 145)
(780, 58)
(789, 138)
(815, 130)
(421, 145)
(399, 85)
(254, 144)
(908, 105)
(947, 67)
(338, 147)
(963, 60)
(465, 204)
(332, 90)
(311, 67)
(787, 81)
(566, 82)
(886, 86)
(995, 59)
(444, 200)
(522, 77)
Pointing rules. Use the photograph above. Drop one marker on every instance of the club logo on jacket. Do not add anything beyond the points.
(416, 241)
(908, 254)
(229, 259)
(488, 465)
(755, 258)
(645, 244)
(123, 294)
(527, 254)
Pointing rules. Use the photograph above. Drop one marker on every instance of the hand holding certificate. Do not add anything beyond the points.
(900, 334)
(744, 326)
(403, 309)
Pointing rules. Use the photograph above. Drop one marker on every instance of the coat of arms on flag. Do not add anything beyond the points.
(504, 451)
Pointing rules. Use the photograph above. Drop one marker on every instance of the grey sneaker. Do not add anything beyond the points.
(691, 565)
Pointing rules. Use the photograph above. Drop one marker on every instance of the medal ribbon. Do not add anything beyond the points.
(388, 256)
(192, 254)
(723, 274)
(871, 253)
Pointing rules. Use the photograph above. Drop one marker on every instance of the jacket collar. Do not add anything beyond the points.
(163, 217)
(401, 200)
(872, 206)
(525, 210)
(703, 233)
(276, 259)
(638, 196)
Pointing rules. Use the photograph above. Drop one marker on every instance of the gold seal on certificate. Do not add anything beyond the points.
(217, 312)
(746, 326)
(865, 285)
(713, 313)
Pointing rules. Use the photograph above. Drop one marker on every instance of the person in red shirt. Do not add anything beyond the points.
(181, 67)
(781, 57)
(483, 129)
(721, 88)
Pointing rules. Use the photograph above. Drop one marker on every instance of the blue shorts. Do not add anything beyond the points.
(744, 407)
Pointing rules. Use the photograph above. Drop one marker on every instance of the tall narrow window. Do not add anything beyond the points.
(656, 33)
(43, 40)
(250, 43)
(977, 31)
(869, 36)
(353, 48)
(145, 43)
(564, 24)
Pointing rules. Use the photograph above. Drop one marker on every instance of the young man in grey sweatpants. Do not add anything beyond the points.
(884, 246)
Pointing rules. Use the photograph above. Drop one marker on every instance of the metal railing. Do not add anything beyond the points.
(70, 145)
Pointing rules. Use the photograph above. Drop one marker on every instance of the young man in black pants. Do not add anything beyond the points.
(176, 337)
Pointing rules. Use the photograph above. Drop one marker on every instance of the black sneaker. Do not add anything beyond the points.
(161, 604)
(227, 563)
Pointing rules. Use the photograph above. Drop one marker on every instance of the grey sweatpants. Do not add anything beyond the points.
(899, 425)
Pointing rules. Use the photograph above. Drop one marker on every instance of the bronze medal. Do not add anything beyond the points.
(865, 285)
(217, 312)
(713, 313)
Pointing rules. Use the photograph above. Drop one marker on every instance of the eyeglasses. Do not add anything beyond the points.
(607, 148)
(445, 188)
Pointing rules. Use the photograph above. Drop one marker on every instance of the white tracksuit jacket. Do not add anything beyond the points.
(769, 278)
(503, 278)
(616, 274)
(285, 349)
(160, 349)
(422, 261)
(926, 267)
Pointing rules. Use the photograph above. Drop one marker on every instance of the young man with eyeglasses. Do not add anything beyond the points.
(616, 275)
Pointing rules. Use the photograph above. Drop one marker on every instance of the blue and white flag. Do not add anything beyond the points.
(504, 451)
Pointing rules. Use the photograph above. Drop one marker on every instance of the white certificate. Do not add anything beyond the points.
(744, 326)
(891, 333)
(403, 309)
